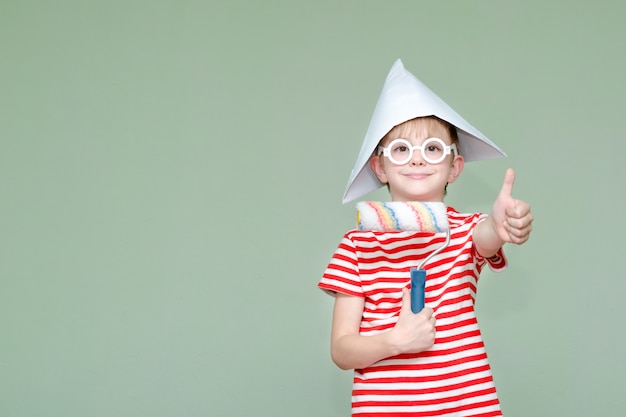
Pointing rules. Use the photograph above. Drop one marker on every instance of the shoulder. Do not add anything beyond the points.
(356, 235)
(457, 219)
(366, 243)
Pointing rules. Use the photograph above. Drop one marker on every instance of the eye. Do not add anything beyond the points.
(400, 148)
(434, 148)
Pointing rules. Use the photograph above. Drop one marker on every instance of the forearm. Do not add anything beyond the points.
(412, 333)
(353, 351)
(486, 238)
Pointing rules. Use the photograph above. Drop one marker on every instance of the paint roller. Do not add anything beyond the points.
(407, 216)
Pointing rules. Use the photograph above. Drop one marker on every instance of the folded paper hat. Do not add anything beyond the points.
(403, 98)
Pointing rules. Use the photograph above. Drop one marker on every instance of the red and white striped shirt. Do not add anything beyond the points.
(453, 377)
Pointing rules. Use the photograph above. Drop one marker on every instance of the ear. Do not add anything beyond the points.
(379, 169)
(457, 167)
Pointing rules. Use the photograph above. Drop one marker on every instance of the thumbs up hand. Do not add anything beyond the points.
(512, 219)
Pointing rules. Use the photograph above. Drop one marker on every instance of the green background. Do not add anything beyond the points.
(171, 175)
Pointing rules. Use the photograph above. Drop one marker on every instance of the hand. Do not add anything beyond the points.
(413, 333)
(512, 219)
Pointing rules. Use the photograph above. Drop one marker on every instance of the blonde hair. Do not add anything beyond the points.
(431, 122)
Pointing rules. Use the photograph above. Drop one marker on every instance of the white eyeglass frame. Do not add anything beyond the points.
(447, 149)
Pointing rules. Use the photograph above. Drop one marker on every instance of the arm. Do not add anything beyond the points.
(510, 221)
(349, 350)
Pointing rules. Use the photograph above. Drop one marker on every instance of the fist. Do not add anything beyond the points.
(413, 333)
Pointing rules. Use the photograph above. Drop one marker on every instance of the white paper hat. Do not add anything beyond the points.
(403, 98)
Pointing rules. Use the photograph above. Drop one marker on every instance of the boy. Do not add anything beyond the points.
(432, 363)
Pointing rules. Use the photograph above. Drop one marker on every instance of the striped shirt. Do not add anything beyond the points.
(453, 377)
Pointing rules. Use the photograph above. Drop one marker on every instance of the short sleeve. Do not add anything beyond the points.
(342, 273)
(497, 262)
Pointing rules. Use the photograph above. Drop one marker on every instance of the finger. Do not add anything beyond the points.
(406, 300)
(519, 240)
(432, 318)
(507, 185)
(519, 235)
(519, 221)
(427, 312)
(519, 209)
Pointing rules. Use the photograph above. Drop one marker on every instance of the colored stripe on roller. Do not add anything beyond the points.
(402, 216)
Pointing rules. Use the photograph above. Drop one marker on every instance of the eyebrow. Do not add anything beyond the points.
(447, 140)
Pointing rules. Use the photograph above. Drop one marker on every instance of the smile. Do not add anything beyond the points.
(417, 175)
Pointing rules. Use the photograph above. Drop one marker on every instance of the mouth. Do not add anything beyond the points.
(417, 175)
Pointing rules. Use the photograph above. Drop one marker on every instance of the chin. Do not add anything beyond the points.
(419, 197)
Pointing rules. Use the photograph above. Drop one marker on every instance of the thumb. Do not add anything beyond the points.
(406, 301)
(507, 185)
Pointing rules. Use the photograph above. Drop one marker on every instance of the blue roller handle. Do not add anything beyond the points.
(418, 282)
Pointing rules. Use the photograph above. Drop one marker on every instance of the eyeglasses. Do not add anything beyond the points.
(434, 150)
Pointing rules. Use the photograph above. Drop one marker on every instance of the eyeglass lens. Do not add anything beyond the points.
(401, 151)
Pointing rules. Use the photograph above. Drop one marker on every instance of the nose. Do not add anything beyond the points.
(417, 159)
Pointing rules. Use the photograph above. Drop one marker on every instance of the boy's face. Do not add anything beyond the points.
(417, 179)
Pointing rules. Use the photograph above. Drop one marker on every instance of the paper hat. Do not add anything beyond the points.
(403, 98)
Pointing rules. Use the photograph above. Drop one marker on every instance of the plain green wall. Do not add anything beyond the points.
(170, 184)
